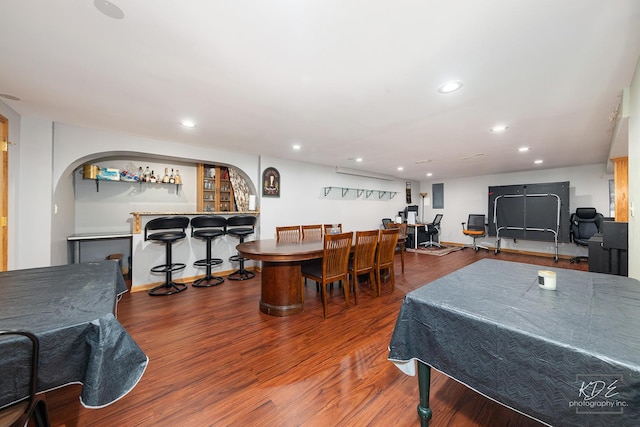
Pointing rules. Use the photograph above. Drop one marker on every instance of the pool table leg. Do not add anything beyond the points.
(424, 380)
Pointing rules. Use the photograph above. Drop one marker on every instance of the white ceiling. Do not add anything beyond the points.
(343, 78)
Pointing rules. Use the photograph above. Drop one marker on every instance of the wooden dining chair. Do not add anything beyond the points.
(385, 256)
(363, 260)
(400, 247)
(328, 228)
(334, 266)
(34, 406)
(288, 234)
(312, 232)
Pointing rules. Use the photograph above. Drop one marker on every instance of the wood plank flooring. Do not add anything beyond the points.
(216, 360)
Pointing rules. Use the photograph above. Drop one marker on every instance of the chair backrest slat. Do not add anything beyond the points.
(364, 254)
(312, 232)
(290, 233)
(328, 228)
(335, 261)
(387, 246)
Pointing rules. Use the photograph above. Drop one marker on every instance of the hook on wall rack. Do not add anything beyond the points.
(358, 193)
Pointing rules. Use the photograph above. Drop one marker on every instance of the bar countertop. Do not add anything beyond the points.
(137, 216)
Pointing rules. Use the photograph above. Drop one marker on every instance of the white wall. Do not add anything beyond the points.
(302, 198)
(35, 194)
(589, 186)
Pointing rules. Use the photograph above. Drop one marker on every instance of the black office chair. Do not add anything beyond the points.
(476, 228)
(240, 226)
(433, 229)
(171, 229)
(32, 407)
(585, 222)
(208, 228)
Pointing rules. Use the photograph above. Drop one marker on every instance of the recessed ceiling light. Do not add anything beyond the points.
(359, 159)
(188, 123)
(537, 162)
(400, 168)
(109, 9)
(450, 86)
(523, 149)
(429, 174)
(296, 146)
(499, 128)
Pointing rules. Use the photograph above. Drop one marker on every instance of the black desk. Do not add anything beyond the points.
(71, 309)
(74, 241)
(543, 353)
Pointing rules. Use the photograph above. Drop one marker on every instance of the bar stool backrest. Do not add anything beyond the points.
(241, 224)
(166, 223)
(209, 222)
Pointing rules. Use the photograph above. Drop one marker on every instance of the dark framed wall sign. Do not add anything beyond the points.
(271, 182)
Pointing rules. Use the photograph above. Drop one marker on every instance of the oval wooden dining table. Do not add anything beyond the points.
(282, 291)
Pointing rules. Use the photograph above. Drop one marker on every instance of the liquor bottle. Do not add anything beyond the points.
(147, 175)
(165, 178)
(152, 177)
(178, 178)
(172, 179)
(140, 176)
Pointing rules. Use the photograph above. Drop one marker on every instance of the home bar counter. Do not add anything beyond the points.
(146, 254)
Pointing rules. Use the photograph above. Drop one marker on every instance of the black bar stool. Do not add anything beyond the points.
(173, 229)
(208, 227)
(240, 226)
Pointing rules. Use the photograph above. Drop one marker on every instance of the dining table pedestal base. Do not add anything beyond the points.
(282, 293)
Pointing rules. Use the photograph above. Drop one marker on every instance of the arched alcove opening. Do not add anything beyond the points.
(80, 206)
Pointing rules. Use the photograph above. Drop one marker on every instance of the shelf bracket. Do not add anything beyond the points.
(345, 191)
(359, 192)
(369, 193)
(327, 190)
(382, 194)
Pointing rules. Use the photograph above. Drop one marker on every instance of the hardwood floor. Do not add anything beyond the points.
(216, 360)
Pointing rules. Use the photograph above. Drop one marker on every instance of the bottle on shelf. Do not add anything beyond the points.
(152, 177)
(147, 175)
(165, 178)
(178, 178)
(172, 178)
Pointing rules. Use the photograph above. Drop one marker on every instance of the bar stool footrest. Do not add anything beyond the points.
(208, 281)
(205, 262)
(241, 275)
(168, 289)
(165, 268)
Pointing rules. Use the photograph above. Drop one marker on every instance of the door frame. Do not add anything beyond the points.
(4, 189)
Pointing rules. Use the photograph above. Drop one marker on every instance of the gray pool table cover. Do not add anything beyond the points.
(566, 357)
